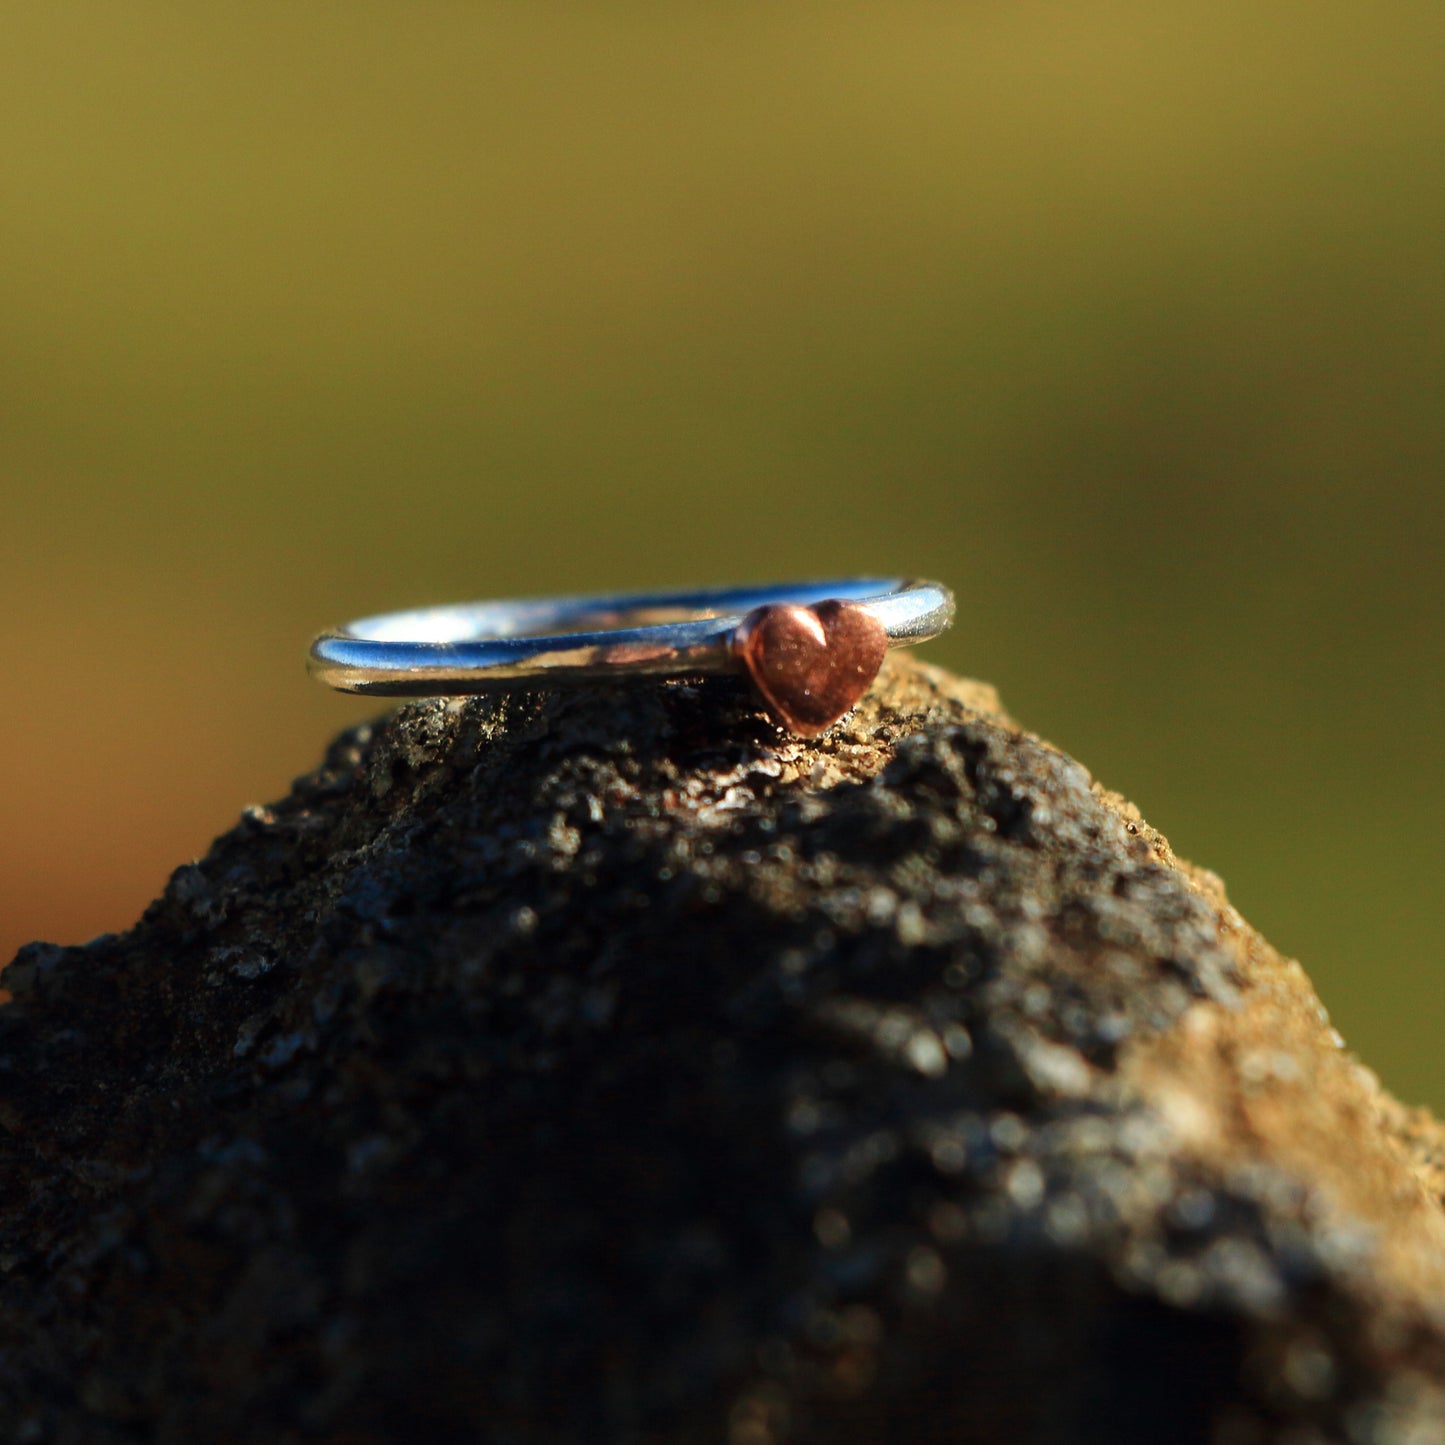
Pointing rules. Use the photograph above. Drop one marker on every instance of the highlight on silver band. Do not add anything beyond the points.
(478, 647)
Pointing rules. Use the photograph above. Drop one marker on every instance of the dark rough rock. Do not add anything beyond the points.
(606, 1067)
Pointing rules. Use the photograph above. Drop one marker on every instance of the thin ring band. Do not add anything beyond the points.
(483, 647)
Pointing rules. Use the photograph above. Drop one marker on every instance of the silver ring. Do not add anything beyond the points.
(806, 646)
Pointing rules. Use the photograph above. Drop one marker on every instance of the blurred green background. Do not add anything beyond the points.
(1126, 319)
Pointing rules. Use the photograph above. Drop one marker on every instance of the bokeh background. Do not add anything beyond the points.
(1126, 319)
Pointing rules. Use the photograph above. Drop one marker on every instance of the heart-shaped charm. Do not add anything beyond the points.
(811, 664)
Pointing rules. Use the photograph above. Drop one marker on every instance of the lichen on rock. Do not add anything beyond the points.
(606, 1066)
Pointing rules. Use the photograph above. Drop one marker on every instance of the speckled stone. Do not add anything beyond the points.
(611, 1068)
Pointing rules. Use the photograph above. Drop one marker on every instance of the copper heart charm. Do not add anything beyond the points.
(811, 664)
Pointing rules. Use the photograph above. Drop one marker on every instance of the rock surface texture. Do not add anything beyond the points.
(606, 1067)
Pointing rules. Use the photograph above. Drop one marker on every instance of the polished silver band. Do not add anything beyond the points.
(486, 646)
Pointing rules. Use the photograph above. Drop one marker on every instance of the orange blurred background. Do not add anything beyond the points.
(1126, 320)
